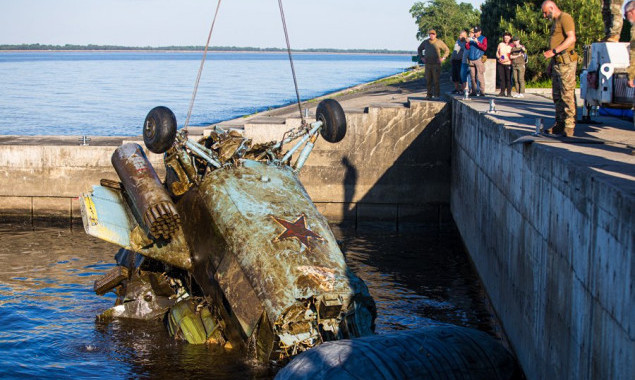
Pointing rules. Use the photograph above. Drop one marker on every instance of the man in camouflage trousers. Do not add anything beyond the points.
(612, 15)
(563, 63)
(629, 13)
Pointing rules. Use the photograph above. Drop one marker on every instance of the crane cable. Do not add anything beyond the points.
(200, 69)
(295, 81)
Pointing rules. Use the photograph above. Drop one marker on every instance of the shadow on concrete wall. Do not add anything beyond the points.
(349, 210)
(414, 191)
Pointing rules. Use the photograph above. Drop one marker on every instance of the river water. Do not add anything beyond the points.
(110, 93)
(48, 308)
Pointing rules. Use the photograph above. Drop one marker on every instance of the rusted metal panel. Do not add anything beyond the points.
(202, 238)
(238, 291)
(253, 253)
(283, 264)
(174, 251)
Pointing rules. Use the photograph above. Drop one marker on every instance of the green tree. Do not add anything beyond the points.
(534, 30)
(494, 13)
(446, 17)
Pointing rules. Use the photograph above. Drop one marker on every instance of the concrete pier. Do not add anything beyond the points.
(549, 227)
(391, 171)
(548, 224)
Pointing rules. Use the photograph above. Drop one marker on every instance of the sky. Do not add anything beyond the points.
(338, 24)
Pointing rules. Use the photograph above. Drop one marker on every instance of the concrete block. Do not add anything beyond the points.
(16, 206)
(611, 350)
(552, 241)
(16, 209)
(51, 211)
(336, 212)
(422, 217)
(582, 303)
(377, 216)
(612, 279)
(76, 213)
(262, 133)
(490, 76)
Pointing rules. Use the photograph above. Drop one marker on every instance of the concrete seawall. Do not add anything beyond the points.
(550, 230)
(391, 169)
(41, 183)
(549, 226)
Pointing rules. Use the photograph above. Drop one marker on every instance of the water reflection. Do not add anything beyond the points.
(48, 308)
(418, 279)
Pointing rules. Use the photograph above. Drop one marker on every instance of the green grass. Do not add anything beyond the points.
(407, 76)
(539, 84)
(546, 83)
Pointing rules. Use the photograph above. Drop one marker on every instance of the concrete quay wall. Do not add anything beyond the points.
(392, 167)
(40, 184)
(553, 242)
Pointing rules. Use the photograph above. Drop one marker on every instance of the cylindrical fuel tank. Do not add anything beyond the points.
(149, 198)
(432, 352)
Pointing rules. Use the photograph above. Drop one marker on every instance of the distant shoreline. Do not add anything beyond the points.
(190, 49)
(194, 52)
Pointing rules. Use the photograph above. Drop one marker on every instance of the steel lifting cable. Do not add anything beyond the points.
(295, 81)
(200, 69)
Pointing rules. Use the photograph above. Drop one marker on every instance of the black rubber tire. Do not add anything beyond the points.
(159, 129)
(330, 112)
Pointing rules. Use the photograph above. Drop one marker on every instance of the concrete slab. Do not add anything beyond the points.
(16, 209)
(549, 226)
(49, 211)
(607, 146)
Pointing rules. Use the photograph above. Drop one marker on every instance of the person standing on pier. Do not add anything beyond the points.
(503, 56)
(612, 17)
(432, 60)
(562, 64)
(475, 49)
(457, 59)
(466, 78)
(629, 13)
(518, 57)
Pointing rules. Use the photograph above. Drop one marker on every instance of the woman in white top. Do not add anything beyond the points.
(505, 72)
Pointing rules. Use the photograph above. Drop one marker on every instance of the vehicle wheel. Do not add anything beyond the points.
(331, 114)
(159, 129)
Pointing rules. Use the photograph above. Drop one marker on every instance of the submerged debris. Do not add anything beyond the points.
(229, 249)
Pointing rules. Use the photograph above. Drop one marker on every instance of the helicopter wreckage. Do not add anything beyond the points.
(229, 248)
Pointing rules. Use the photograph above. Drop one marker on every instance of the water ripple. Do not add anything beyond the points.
(48, 308)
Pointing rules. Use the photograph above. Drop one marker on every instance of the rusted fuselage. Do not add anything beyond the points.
(274, 261)
(229, 249)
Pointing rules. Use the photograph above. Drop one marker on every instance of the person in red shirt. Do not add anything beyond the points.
(475, 49)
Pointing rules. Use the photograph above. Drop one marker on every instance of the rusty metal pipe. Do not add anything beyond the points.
(315, 128)
(201, 152)
(145, 191)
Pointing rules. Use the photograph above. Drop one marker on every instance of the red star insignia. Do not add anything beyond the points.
(296, 230)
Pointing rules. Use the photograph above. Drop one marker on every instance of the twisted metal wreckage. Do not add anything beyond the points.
(230, 248)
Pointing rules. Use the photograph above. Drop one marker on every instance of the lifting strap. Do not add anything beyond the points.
(200, 69)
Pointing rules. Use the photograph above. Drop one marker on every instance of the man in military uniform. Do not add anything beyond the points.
(629, 12)
(612, 15)
(432, 60)
(563, 63)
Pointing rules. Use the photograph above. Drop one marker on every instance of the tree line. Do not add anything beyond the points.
(522, 18)
(193, 48)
